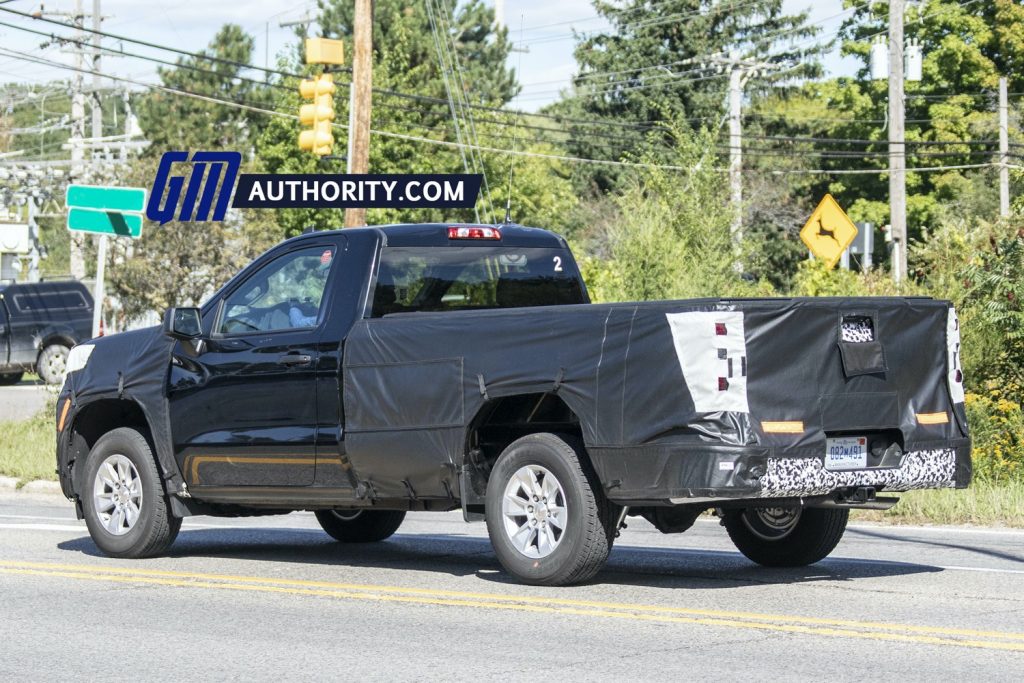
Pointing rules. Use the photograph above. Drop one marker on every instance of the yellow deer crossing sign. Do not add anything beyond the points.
(829, 231)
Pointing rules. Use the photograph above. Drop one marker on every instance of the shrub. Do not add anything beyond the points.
(997, 428)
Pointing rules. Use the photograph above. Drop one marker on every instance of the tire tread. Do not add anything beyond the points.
(165, 526)
(816, 535)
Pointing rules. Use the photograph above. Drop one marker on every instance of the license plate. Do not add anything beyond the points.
(846, 453)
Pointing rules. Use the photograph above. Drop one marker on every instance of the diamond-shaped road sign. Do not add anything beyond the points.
(106, 210)
(829, 231)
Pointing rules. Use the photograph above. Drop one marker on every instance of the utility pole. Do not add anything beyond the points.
(740, 71)
(99, 293)
(77, 257)
(1004, 149)
(361, 100)
(97, 107)
(897, 148)
(736, 149)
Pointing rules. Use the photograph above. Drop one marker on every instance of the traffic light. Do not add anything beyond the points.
(317, 139)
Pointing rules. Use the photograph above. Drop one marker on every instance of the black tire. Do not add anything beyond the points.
(814, 535)
(583, 545)
(360, 526)
(155, 528)
(9, 378)
(52, 363)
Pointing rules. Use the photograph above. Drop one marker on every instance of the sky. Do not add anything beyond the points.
(545, 26)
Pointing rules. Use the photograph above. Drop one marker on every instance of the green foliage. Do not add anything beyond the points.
(182, 263)
(27, 447)
(650, 66)
(405, 60)
(997, 429)
(173, 121)
(994, 289)
(672, 237)
(966, 48)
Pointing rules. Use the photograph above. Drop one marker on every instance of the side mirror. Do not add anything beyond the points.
(183, 323)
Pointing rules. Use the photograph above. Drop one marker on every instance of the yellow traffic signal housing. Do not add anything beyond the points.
(324, 51)
(317, 139)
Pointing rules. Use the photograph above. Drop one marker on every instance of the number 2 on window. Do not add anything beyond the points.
(558, 264)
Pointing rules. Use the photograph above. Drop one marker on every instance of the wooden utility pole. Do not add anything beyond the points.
(361, 100)
(1004, 149)
(77, 254)
(897, 148)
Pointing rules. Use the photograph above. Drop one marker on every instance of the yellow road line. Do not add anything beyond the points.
(743, 620)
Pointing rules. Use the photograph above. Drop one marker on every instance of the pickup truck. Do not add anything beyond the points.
(39, 323)
(368, 372)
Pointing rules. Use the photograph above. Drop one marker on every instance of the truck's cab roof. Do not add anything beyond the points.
(436, 235)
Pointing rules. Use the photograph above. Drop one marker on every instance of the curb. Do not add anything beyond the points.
(37, 487)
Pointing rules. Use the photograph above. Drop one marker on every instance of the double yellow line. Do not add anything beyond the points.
(785, 623)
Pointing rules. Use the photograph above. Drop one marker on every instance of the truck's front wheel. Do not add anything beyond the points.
(785, 536)
(126, 510)
(360, 526)
(548, 520)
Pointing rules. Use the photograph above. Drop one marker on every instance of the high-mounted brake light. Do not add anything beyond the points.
(480, 233)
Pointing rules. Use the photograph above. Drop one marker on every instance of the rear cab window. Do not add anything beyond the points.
(461, 278)
(32, 301)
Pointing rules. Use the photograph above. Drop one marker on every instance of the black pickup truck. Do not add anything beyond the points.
(39, 323)
(370, 372)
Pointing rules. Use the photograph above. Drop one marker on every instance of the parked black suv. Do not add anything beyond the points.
(39, 323)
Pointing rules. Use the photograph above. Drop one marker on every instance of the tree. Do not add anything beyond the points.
(656, 63)
(950, 114)
(178, 263)
(410, 100)
(671, 236)
(171, 120)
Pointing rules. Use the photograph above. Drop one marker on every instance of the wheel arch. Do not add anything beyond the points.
(51, 336)
(96, 418)
(500, 421)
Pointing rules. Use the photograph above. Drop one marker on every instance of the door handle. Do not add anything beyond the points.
(295, 359)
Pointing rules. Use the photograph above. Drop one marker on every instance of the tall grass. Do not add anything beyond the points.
(985, 503)
(28, 447)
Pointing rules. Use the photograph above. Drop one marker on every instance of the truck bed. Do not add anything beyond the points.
(677, 401)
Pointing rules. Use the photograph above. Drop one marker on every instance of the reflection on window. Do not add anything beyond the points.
(284, 294)
(467, 278)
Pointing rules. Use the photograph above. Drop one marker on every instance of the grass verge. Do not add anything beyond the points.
(28, 448)
(985, 503)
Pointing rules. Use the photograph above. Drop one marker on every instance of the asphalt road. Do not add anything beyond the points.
(22, 400)
(274, 598)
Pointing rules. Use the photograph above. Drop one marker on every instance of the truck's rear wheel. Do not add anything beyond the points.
(548, 520)
(126, 510)
(786, 536)
(360, 526)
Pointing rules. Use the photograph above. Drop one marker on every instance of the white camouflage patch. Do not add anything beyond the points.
(799, 477)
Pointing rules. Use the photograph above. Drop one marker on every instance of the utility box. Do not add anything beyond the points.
(864, 244)
(10, 267)
(913, 58)
(14, 238)
(879, 59)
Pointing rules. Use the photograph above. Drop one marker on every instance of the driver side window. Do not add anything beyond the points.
(284, 294)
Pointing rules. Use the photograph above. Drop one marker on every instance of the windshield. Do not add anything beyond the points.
(468, 278)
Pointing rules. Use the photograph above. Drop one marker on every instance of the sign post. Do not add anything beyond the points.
(104, 211)
(829, 231)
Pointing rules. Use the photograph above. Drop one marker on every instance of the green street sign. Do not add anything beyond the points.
(105, 222)
(106, 210)
(132, 199)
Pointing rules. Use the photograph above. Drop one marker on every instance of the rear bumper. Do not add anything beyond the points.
(673, 474)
